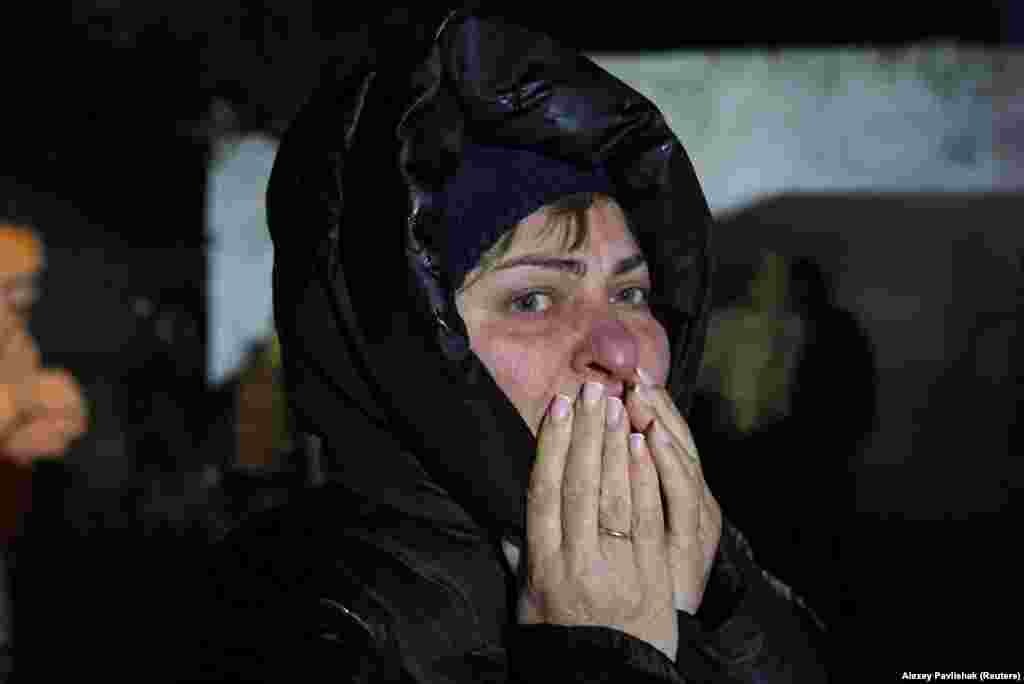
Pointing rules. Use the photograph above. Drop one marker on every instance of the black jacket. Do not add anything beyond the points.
(392, 569)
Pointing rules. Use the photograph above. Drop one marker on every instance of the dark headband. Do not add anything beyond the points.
(495, 188)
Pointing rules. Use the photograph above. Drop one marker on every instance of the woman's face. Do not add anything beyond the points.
(544, 321)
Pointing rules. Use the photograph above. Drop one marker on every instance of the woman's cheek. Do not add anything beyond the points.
(656, 354)
(523, 370)
(508, 366)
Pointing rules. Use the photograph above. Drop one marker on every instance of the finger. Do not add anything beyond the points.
(647, 404)
(640, 406)
(711, 501)
(615, 512)
(544, 493)
(677, 425)
(682, 492)
(581, 486)
(710, 531)
(710, 515)
(667, 410)
(692, 513)
(648, 522)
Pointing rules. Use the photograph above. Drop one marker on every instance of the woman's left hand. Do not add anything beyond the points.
(693, 518)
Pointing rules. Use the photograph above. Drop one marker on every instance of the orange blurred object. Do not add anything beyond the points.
(21, 261)
(21, 253)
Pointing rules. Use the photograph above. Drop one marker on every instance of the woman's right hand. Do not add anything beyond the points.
(591, 476)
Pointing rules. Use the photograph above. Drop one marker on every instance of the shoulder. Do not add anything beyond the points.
(332, 528)
(322, 542)
(360, 580)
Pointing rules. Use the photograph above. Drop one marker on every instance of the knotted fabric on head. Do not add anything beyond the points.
(495, 188)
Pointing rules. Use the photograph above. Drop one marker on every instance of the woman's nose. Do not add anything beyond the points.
(608, 354)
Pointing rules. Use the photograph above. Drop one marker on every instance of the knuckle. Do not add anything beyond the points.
(690, 489)
(542, 495)
(586, 584)
(648, 522)
(614, 507)
(577, 492)
(589, 433)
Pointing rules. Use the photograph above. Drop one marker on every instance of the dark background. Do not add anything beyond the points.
(108, 121)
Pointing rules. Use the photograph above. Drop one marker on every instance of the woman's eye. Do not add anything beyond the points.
(531, 302)
(635, 296)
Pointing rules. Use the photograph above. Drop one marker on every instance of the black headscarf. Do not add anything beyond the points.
(376, 356)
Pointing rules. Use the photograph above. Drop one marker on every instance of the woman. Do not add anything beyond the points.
(491, 277)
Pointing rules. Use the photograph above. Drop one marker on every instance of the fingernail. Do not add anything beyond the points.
(614, 411)
(560, 407)
(645, 379)
(636, 440)
(592, 392)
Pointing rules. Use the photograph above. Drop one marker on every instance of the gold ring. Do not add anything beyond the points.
(614, 533)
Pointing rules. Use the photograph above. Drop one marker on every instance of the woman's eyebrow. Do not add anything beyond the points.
(628, 264)
(575, 267)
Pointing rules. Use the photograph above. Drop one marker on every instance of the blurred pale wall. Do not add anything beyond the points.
(240, 252)
(924, 118)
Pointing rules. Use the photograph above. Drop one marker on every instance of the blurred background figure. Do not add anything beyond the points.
(262, 423)
(41, 410)
(267, 461)
(788, 395)
(755, 344)
(101, 529)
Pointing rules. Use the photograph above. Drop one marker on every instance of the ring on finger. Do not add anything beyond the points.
(615, 533)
